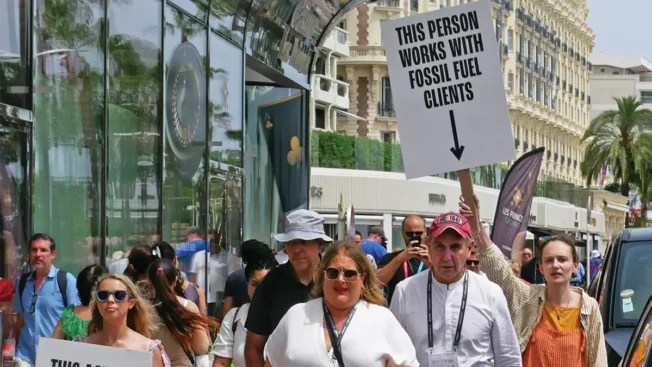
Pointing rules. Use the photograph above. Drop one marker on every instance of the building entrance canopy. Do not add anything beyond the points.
(280, 37)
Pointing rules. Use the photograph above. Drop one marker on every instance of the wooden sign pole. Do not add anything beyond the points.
(466, 185)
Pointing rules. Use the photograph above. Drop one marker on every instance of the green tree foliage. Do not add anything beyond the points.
(618, 138)
(333, 150)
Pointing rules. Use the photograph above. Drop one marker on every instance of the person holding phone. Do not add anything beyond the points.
(397, 266)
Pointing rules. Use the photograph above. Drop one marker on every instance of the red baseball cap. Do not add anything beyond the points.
(450, 220)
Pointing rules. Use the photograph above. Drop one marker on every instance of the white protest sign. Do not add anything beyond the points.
(448, 89)
(62, 353)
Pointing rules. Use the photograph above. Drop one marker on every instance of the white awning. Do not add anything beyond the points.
(350, 115)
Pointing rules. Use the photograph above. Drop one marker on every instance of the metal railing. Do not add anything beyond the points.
(386, 109)
(389, 3)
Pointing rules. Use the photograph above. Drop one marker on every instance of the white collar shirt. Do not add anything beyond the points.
(487, 338)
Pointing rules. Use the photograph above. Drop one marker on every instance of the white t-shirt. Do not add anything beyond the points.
(229, 345)
(487, 338)
(373, 331)
(216, 273)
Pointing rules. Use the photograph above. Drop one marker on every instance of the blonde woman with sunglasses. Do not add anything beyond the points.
(121, 318)
(346, 323)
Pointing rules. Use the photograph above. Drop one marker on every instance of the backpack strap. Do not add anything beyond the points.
(234, 324)
(21, 287)
(62, 281)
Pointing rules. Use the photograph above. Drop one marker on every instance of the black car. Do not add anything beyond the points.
(639, 350)
(623, 286)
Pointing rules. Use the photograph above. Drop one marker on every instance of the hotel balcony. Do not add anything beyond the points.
(338, 42)
(388, 6)
(331, 91)
(365, 55)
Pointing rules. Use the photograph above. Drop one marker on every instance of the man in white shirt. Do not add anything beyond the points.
(217, 272)
(455, 317)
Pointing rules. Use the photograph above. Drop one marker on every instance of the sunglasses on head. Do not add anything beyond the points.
(334, 273)
(473, 262)
(118, 296)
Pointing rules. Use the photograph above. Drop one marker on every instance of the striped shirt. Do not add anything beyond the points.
(526, 306)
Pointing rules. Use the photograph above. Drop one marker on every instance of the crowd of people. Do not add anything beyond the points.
(449, 298)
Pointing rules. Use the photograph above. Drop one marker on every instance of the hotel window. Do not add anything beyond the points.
(510, 40)
(510, 81)
(646, 96)
(538, 90)
(388, 136)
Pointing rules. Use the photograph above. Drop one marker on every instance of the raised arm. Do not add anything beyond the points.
(495, 265)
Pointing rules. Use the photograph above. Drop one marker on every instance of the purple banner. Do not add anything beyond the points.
(514, 202)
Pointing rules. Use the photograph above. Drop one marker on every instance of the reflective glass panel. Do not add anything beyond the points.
(13, 201)
(14, 53)
(225, 179)
(68, 115)
(229, 17)
(198, 8)
(134, 48)
(276, 161)
(185, 129)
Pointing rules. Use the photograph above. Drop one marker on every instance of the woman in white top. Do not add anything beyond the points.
(345, 325)
(229, 343)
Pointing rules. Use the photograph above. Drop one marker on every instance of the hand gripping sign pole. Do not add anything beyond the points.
(467, 193)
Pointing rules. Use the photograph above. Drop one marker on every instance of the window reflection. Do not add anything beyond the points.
(13, 205)
(184, 188)
(133, 135)
(14, 53)
(229, 17)
(68, 111)
(197, 8)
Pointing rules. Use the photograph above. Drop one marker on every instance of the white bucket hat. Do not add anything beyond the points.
(305, 225)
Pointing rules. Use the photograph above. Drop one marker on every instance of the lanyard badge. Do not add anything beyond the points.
(336, 337)
(446, 359)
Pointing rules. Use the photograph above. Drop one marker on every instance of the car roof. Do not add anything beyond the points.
(636, 234)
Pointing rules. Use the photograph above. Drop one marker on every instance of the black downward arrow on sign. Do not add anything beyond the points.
(457, 149)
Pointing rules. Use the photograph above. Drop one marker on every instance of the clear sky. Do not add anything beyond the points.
(621, 27)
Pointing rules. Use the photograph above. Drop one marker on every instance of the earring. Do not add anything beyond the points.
(573, 274)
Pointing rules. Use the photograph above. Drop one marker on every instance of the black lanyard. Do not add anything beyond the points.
(460, 320)
(336, 338)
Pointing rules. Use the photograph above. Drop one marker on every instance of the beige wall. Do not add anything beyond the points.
(604, 89)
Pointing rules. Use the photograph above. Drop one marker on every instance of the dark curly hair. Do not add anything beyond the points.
(256, 255)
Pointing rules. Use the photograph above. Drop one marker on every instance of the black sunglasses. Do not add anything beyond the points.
(334, 273)
(472, 262)
(118, 296)
(32, 307)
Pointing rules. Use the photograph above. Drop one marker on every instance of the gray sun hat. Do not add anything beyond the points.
(303, 224)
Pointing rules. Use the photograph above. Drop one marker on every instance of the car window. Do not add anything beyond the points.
(633, 285)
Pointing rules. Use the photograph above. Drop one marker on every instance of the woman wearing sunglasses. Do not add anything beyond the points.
(230, 342)
(346, 324)
(557, 325)
(121, 319)
(183, 331)
(73, 321)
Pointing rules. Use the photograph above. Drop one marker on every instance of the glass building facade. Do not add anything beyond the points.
(127, 121)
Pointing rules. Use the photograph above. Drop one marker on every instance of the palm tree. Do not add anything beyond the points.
(617, 138)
